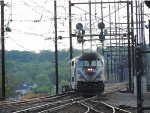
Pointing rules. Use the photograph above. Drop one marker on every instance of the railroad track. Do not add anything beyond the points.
(8, 107)
(89, 105)
(48, 106)
(76, 103)
(102, 107)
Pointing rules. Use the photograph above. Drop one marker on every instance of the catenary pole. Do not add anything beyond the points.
(70, 30)
(56, 51)
(3, 49)
(129, 50)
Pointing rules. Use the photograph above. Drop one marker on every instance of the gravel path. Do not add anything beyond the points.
(127, 99)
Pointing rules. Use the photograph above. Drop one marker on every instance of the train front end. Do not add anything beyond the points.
(90, 74)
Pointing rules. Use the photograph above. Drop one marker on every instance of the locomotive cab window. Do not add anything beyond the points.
(86, 63)
(80, 63)
(90, 63)
(99, 63)
(93, 63)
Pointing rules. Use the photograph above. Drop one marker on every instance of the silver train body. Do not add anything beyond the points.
(87, 73)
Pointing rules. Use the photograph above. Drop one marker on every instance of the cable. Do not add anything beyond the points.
(40, 13)
(34, 34)
(21, 45)
(42, 7)
(104, 16)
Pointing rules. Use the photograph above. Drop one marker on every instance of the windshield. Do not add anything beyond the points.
(99, 63)
(90, 63)
(93, 63)
(80, 63)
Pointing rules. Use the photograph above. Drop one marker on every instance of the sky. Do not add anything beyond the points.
(32, 24)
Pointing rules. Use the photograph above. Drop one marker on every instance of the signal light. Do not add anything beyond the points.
(80, 39)
(80, 32)
(79, 26)
(102, 36)
(101, 25)
(8, 29)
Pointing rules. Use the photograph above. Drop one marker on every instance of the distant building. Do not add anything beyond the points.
(24, 89)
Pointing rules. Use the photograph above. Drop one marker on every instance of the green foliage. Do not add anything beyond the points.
(24, 67)
(64, 83)
(8, 90)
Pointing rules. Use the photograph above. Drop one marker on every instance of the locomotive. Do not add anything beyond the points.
(87, 73)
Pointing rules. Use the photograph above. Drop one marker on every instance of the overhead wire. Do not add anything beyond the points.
(40, 13)
(20, 45)
(37, 11)
(104, 16)
(9, 14)
(42, 7)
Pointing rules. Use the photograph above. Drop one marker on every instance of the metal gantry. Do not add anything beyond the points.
(114, 34)
(120, 41)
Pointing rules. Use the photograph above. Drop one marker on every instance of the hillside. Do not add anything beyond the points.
(29, 68)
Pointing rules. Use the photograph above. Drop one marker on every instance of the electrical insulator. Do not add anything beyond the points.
(60, 37)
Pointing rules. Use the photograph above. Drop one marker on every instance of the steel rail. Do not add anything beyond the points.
(32, 101)
(110, 106)
(54, 107)
(57, 108)
(45, 105)
(88, 108)
(62, 106)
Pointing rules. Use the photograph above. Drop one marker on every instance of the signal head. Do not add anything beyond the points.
(101, 25)
(79, 26)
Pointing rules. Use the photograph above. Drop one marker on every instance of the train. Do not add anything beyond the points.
(87, 73)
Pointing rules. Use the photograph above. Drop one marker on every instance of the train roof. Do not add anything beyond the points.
(90, 56)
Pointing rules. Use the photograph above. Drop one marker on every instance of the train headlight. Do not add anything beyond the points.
(89, 70)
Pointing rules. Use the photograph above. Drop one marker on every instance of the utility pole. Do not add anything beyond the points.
(3, 49)
(149, 31)
(138, 79)
(70, 30)
(56, 51)
(129, 50)
(90, 25)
